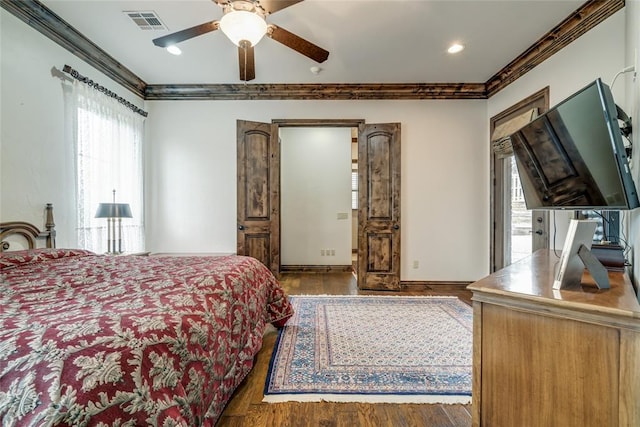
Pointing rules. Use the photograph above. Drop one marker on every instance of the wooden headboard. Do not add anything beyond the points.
(29, 231)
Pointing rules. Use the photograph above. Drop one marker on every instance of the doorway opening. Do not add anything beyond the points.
(518, 221)
(517, 232)
(379, 219)
(316, 198)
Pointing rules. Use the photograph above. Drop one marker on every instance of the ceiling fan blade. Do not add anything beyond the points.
(246, 60)
(298, 44)
(177, 37)
(271, 6)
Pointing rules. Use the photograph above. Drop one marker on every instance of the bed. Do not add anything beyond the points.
(104, 340)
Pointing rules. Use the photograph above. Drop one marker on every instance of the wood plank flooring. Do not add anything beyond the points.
(247, 409)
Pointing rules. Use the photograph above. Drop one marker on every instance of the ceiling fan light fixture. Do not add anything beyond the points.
(239, 25)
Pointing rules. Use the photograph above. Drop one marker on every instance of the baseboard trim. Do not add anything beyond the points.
(429, 285)
(316, 268)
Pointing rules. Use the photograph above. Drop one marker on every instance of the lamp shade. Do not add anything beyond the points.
(114, 210)
(240, 25)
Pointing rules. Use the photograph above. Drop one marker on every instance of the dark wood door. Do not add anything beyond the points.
(379, 206)
(563, 178)
(259, 193)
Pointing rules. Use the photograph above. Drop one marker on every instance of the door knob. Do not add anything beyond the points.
(539, 232)
(241, 227)
(396, 226)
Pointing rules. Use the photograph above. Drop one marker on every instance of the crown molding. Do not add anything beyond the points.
(44, 20)
(334, 91)
(35, 14)
(590, 14)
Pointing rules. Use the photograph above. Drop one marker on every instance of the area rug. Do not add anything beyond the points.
(373, 349)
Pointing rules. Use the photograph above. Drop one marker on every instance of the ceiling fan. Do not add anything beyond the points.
(244, 23)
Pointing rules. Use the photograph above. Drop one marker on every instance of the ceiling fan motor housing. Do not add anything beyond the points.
(246, 6)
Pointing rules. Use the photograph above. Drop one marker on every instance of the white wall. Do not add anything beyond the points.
(191, 176)
(631, 82)
(315, 187)
(191, 150)
(598, 53)
(36, 163)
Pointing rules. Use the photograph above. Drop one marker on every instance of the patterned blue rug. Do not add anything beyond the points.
(373, 349)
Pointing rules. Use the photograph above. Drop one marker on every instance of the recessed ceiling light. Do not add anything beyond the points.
(174, 50)
(455, 48)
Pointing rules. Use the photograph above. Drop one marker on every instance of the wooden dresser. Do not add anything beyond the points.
(545, 358)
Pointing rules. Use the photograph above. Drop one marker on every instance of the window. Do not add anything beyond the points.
(608, 228)
(354, 189)
(108, 157)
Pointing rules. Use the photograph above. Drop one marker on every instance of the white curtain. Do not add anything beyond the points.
(108, 157)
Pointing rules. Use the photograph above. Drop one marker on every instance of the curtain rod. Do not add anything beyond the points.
(76, 75)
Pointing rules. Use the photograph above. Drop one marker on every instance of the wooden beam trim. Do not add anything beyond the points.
(350, 123)
(44, 20)
(590, 14)
(334, 91)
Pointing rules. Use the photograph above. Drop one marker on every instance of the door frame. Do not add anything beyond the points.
(275, 125)
(309, 123)
(539, 100)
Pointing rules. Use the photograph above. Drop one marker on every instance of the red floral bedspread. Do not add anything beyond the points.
(120, 341)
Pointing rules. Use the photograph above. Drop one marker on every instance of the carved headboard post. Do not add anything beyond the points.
(50, 226)
(29, 232)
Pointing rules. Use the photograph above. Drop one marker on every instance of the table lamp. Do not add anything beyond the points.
(112, 212)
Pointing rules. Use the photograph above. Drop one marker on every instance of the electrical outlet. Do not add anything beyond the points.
(322, 252)
(416, 263)
(333, 252)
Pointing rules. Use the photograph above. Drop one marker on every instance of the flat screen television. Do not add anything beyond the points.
(573, 157)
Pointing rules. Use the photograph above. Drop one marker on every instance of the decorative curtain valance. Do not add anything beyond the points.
(500, 139)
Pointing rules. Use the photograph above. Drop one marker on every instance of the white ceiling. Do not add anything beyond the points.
(375, 41)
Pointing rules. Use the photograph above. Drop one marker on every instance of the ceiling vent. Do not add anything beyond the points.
(146, 20)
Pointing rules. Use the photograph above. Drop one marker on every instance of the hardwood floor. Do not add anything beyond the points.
(247, 409)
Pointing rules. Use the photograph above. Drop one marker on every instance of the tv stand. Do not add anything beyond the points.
(596, 269)
(576, 255)
(547, 357)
